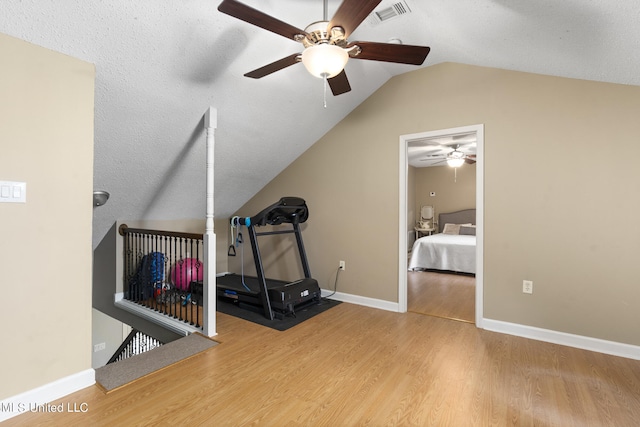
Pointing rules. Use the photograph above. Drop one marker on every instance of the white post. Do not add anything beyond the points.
(209, 320)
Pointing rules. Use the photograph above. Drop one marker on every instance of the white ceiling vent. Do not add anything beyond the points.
(385, 13)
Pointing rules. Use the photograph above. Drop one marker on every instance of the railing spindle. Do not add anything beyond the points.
(160, 267)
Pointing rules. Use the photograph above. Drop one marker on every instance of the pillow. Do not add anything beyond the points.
(467, 230)
(452, 228)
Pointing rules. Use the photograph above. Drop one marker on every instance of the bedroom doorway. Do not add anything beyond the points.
(446, 295)
(407, 219)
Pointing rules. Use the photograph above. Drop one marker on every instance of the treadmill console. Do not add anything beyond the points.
(291, 210)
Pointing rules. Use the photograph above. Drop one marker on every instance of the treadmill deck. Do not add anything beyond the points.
(283, 296)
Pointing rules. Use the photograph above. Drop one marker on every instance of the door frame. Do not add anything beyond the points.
(403, 209)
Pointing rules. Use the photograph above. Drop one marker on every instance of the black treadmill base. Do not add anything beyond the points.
(278, 314)
(284, 297)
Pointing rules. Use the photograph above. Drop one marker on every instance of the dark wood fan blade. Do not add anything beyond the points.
(259, 19)
(274, 66)
(339, 84)
(389, 52)
(351, 13)
(470, 159)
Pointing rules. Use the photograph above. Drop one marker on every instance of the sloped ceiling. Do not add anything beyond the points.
(161, 64)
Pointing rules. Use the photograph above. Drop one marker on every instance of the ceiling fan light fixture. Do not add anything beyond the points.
(324, 60)
(455, 159)
(455, 162)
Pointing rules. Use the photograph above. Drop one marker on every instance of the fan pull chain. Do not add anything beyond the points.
(324, 78)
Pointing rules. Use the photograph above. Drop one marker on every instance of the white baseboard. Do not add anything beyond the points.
(359, 300)
(562, 338)
(33, 400)
(578, 341)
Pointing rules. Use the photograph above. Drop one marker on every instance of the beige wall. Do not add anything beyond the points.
(560, 193)
(46, 111)
(455, 189)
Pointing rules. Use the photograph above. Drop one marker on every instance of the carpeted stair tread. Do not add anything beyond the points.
(117, 374)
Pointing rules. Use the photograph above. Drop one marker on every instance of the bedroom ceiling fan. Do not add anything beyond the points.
(326, 48)
(455, 158)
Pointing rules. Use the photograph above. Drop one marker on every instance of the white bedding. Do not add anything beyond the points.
(444, 252)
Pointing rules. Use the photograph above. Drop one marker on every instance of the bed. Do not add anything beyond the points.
(453, 248)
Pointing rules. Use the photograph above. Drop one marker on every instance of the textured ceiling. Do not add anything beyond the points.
(161, 65)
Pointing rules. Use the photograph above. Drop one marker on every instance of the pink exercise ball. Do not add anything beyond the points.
(186, 271)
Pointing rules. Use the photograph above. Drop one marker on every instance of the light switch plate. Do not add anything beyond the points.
(13, 192)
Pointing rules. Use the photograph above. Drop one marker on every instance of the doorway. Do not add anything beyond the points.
(446, 295)
(405, 224)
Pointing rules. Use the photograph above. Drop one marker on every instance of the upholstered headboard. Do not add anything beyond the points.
(465, 216)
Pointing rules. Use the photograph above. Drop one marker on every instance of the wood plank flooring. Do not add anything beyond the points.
(447, 295)
(359, 366)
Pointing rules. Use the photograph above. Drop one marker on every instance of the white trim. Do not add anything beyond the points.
(402, 212)
(402, 223)
(563, 338)
(209, 289)
(480, 226)
(155, 317)
(47, 393)
(209, 240)
(360, 300)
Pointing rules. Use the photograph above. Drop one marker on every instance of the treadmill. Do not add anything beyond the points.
(275, 297)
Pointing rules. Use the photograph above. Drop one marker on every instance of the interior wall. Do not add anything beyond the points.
(107, 331)
(350, 216)
(454, 189)
(552, 174)
(46, 110)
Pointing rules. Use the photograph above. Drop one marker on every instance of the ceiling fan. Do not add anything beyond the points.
(326, 49)
(455, 158)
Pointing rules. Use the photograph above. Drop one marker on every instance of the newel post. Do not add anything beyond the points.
(209, 320)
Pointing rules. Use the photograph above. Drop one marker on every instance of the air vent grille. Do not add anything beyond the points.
(389, 12)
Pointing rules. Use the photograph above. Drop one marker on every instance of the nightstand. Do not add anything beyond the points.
(423, 231)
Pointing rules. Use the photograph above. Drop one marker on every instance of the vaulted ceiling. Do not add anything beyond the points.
(161, 64)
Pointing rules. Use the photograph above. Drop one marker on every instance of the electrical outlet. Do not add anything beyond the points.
(527, 286)
(99, 347)
(342, 265)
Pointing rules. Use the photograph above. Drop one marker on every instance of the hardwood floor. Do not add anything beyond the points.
(451, 296)
(355, 365)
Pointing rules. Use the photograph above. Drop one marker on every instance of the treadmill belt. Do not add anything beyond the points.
(234, 282)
